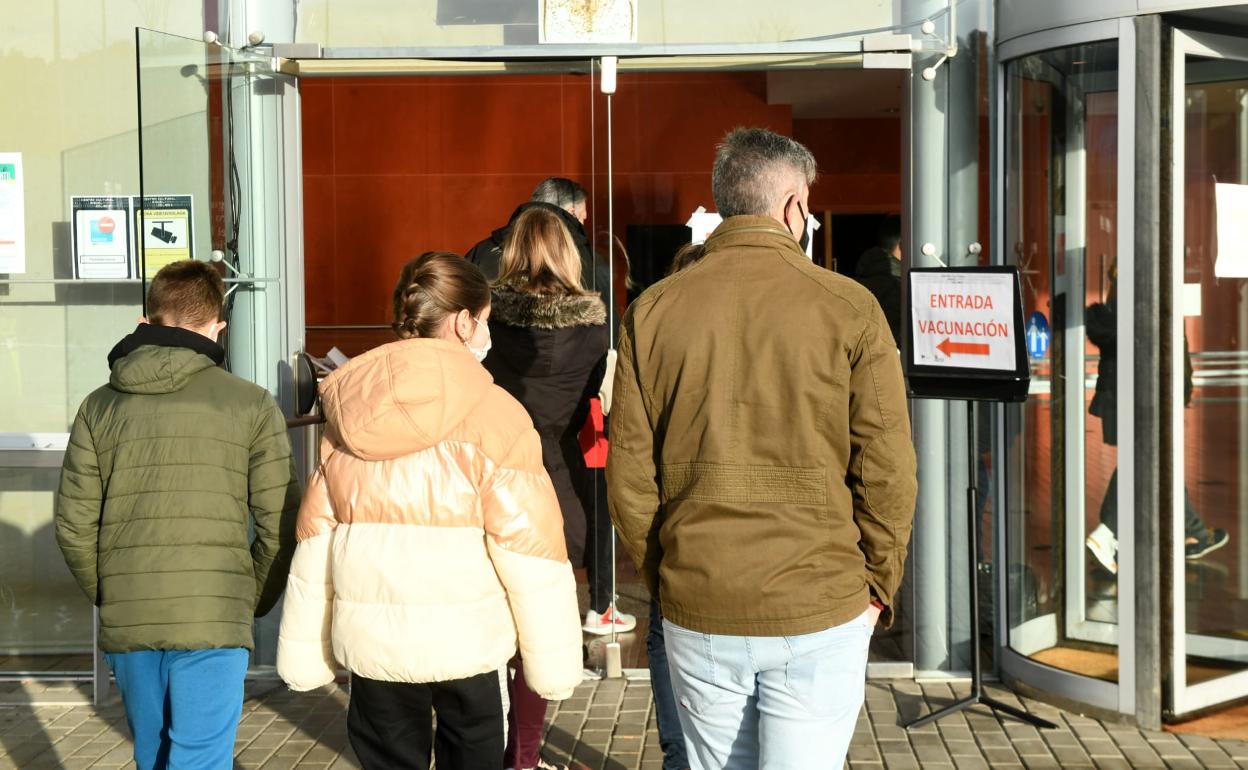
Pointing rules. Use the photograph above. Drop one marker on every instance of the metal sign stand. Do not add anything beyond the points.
(1001, 379)
(977, 696)
(607, 83)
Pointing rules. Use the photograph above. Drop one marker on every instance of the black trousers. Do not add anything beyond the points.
(390, 724)
(599, 535)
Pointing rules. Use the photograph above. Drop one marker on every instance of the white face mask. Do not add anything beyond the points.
(480, 353)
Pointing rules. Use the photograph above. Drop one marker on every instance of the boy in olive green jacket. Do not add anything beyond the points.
(167, 467)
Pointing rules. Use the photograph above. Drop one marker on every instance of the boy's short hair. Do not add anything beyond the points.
(186, 293)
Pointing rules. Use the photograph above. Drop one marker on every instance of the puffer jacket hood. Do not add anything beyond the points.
(389, 403)
(160, 359)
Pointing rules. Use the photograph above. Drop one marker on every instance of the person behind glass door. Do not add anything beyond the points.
(170, 469)
(550, 340)
(1101, 319)
(430, 540)
(879, 269)
(761, 472)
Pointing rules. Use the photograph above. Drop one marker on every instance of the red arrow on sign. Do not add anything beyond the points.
(967, 348)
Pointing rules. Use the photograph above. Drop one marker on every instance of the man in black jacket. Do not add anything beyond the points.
(570, 201)
(879, 269)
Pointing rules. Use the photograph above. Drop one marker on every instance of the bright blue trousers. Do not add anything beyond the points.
(183, 706)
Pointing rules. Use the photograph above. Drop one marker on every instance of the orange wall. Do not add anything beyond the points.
(396, 166)
(859, 163)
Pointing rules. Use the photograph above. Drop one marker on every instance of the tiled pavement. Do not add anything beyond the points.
(610, 724)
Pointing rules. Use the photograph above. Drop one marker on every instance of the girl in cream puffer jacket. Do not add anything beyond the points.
(430, 539)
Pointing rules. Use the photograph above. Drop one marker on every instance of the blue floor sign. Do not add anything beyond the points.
(1037, 335)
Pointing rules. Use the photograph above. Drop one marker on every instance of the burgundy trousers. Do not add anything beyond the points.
(525, 721)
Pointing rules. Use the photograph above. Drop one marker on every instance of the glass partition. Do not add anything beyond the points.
(213, 187)
(68, 80)
(1210, 386)
(1062, 523)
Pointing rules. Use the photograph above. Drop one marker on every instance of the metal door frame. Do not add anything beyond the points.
(1109, 696)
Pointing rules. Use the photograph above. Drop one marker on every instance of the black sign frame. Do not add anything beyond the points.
(964, 383)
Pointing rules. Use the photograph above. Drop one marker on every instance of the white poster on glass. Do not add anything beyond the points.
(1231, 201)
(12, 214)
(103, 247)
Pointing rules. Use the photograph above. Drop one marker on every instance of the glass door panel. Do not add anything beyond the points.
(666, 118)
(1061, 445)
(1210, 385)
(212, 154)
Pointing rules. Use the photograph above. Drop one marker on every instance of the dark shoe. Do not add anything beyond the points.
(1207, 540)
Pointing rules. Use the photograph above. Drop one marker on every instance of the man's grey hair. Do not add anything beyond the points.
(754, 168)
(560, 192)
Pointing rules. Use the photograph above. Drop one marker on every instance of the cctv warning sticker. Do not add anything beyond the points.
(963, 319)
(166, 231)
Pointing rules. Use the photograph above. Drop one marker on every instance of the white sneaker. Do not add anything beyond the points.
(612, 619)
(1104, 546)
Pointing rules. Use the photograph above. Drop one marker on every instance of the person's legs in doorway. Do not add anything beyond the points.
(603, 615)
(1103, 541)
(810, 693)
(205, 704)
(713, 679)
(144, 684)
(667, 714)
(1201, 540)
(598, 547)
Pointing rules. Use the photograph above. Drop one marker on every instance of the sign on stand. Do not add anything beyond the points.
(965, 334)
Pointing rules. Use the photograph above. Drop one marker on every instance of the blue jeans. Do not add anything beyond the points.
(671, 737)
(769, 702)
(183, 706)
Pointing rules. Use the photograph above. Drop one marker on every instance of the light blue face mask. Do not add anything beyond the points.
(480, 353)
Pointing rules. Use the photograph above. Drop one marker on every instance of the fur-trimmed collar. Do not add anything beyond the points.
(515, 307)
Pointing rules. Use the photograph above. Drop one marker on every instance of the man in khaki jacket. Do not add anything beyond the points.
(761, 472)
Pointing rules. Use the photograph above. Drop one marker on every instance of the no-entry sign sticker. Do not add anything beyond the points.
(963, 320)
